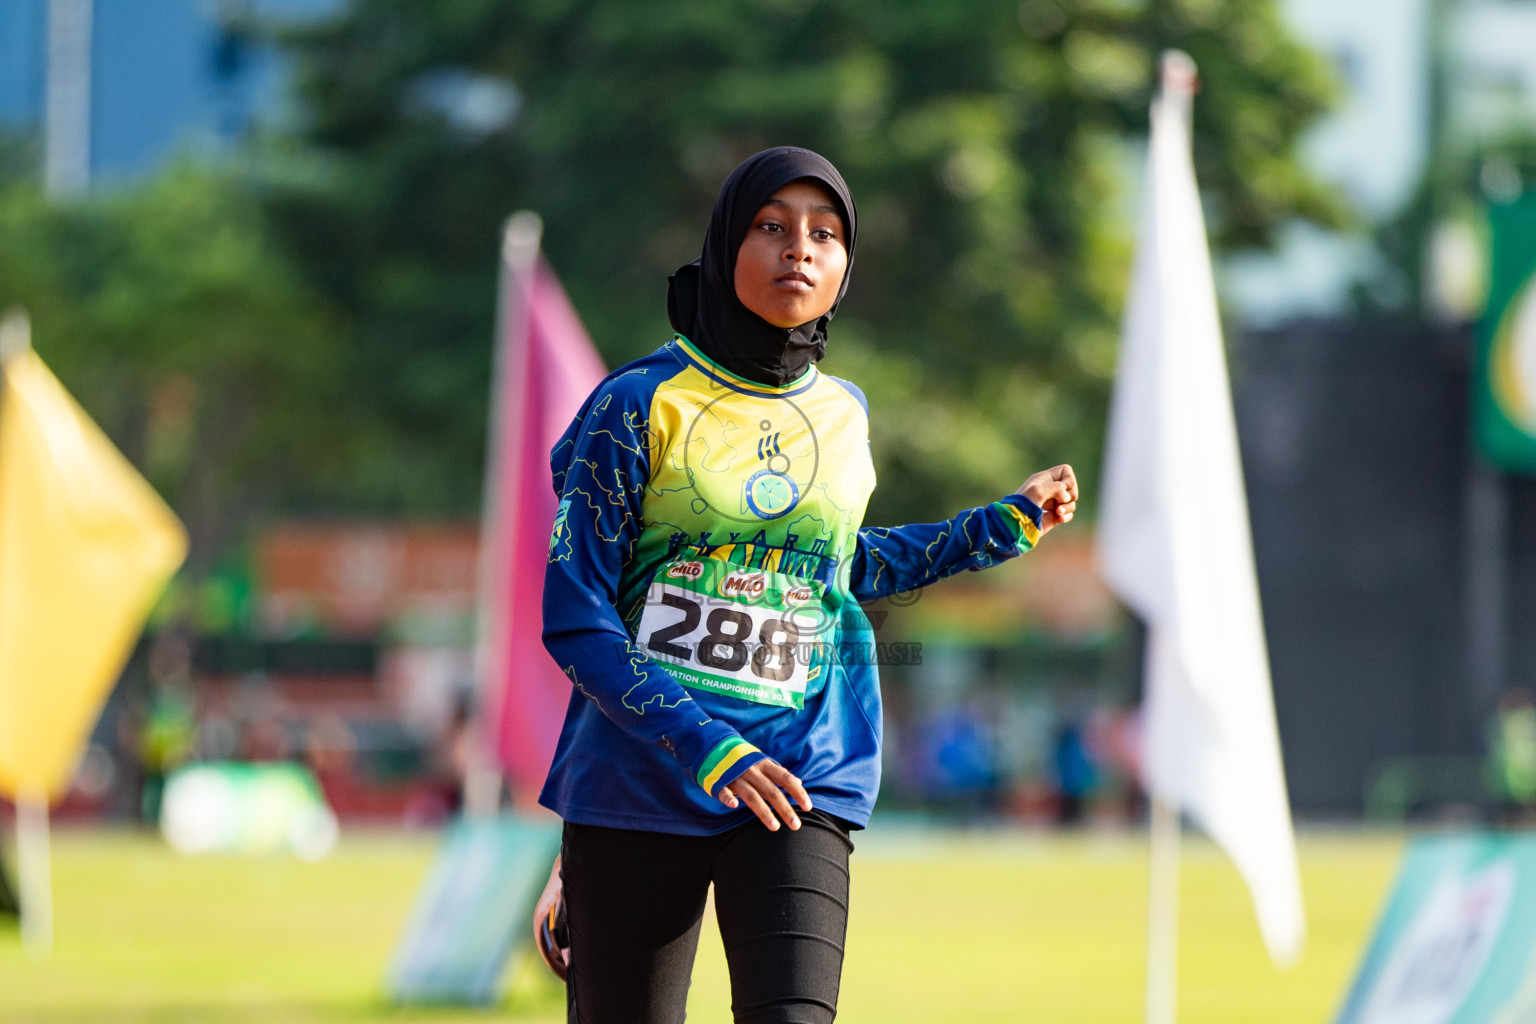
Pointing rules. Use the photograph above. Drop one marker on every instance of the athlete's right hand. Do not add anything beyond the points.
(762, 788)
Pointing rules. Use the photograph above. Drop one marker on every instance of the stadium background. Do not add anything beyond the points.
(326, 614)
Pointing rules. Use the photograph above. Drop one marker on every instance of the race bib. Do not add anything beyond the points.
(746, 633)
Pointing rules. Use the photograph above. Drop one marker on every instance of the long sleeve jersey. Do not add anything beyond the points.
(703, 586)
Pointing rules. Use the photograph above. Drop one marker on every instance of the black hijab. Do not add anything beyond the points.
(701, 297)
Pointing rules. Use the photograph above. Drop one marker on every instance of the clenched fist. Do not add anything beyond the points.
(1055, 491)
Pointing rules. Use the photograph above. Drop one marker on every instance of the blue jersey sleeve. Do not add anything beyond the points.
(893, 559)
(600, 467)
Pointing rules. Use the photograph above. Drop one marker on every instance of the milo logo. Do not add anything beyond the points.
(686, 571)
(749, 585)
(798, 595)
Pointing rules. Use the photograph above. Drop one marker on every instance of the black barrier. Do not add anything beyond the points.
(1357, 452)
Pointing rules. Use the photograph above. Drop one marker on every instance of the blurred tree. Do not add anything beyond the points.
(167, 312)
(989, 143)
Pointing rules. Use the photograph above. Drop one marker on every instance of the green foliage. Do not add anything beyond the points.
(171, 318)
(988, 143)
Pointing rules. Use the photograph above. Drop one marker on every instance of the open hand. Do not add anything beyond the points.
(762, 788)
(1055, 491)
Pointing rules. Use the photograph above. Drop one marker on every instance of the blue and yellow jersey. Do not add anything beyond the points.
(702, 593)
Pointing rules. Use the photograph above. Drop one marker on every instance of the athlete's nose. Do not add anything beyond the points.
(797, 249)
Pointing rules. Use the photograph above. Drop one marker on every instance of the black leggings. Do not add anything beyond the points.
(634, 902)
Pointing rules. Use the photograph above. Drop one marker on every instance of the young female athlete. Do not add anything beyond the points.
(702, 594)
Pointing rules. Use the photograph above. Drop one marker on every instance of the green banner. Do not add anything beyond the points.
(1504, 378)
(476, 906)
(1457, 942)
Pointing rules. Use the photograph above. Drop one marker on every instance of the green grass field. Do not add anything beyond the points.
(946, 927)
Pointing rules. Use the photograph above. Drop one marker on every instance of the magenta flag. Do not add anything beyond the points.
(545, 367)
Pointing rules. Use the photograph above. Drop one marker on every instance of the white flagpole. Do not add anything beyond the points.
(1163, 914)
(34, 876)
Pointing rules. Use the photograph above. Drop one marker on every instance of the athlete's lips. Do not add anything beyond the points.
(795, 279)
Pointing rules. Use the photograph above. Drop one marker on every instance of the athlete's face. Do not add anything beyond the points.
(791, 263)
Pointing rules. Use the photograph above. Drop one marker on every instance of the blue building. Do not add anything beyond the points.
(165, 76)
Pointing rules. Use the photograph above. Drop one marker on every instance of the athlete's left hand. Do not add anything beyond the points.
(1055, 491)
(762, 789)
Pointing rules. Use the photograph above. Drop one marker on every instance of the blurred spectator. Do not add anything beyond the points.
(266, 739)
(1076, 772)
(168, 732)
(959, 757)
(441, 793)
(260, 714)
(1512, 754)
(10, 906)
(1113, 737)
(166, 739)
(330, 746)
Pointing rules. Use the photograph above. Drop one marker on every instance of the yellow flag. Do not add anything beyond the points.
(85, 547)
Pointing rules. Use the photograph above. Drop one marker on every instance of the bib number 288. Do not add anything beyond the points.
(732, 639)
(731, 631)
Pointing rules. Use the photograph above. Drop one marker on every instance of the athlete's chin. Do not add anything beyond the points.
(789, 316)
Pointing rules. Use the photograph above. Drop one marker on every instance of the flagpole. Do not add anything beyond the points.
(1176, 80)
(34, 875)
(521, 238)
(1163, 914)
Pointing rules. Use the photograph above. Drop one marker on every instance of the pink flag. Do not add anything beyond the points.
(545, 367)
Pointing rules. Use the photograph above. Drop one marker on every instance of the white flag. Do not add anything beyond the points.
(1174, 542)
